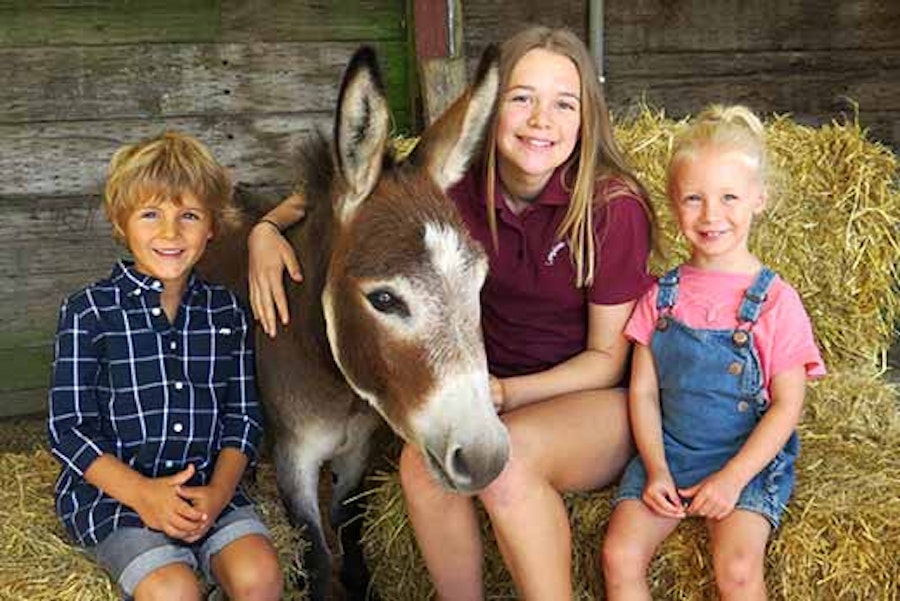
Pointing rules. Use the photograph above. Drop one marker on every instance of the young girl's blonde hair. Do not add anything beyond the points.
(597, 157)
(733, 127)
(167, 167)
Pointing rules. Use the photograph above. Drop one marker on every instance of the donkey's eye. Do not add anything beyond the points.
(385, 301)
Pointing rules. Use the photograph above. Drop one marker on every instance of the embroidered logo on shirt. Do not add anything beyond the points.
(554, 252)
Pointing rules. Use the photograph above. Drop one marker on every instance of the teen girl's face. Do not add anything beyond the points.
(715, 195)
(539, 120)
(167, 239)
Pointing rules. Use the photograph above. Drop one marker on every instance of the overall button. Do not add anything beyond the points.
(155, 311)
(740, 338)
(662, 324)
(179, 385)
(177, 427)
(742, 406)
(735, 368)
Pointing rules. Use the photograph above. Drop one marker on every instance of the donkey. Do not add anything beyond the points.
(387, 319)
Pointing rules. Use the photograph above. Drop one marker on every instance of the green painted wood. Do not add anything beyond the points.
(32, 401)
(55, 23)
(291, 20)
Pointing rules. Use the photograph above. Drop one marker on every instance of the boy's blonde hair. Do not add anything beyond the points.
(596, 156)
(167, 167)
(722, 127)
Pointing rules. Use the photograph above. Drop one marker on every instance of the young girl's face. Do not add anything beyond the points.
(167, 239)
(715, 194)
(539, 120)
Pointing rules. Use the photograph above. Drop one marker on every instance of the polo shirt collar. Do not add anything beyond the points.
(557, 192)
(134, 283)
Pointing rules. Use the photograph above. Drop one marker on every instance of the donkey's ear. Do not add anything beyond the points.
(447, 146)
(360, 129)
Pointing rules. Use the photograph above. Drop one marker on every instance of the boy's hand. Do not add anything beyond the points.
(161, 508)
(661, 495)
(714, 497)
(209, 501)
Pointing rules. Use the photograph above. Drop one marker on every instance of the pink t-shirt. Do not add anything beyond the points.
(710, 300)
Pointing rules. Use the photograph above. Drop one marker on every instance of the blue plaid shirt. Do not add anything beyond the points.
(154, 394)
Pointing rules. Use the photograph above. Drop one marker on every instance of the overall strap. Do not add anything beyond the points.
(755, 296)
(668, 289)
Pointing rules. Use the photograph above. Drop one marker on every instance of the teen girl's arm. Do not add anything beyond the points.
(270, 254)
(660, 493)
(715, 496)
(600, 365)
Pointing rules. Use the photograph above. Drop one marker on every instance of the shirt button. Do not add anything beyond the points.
(735, 368)
(156, 285)
(179, 385)
(173, 345)
(177, 427)
(137, 292)
(156, 311)
(169, 463)
(742, 406)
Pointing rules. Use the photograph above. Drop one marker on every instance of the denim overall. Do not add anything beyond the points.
(711, 395)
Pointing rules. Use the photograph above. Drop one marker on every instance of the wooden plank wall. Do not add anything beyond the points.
(248, 77)
(811, 58)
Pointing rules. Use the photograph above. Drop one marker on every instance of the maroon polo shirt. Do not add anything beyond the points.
(533, 315)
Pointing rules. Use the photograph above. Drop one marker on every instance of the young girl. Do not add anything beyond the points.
(568, 232)
(723, 348)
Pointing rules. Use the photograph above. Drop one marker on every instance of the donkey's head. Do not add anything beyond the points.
(401, 300)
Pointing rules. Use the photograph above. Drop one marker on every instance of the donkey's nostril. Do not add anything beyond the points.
(459, 467)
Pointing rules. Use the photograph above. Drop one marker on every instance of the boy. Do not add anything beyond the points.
(153, 409)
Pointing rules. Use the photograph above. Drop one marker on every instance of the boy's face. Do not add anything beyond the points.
(167, 239)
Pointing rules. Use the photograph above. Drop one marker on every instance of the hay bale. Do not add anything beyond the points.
(831, 231)
(37, 563)
(840, 537)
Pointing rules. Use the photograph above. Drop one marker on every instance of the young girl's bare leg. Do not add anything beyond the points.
(574, 442)
(634, 533)
(248, 570)
(739, 553)
(446, 528)
(173, 582)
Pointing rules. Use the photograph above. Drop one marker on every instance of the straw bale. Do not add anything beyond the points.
(37, 563)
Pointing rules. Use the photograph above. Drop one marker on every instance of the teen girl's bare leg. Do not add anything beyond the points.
(634, 533)
(574, 442)
(446, 528)
(739, 554)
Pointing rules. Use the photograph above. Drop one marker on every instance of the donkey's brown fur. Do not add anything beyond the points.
(387, 319)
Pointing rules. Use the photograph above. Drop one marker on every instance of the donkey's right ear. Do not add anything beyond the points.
(448, 145)
(360, 129)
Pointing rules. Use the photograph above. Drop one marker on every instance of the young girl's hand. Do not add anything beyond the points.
(661, 495)
(270, 255)
(161, 508)
(713, 497)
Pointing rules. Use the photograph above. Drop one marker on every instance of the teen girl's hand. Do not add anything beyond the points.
(161, 508)
(270, 255)
(661, 495)
(497, 393)
(714, 497)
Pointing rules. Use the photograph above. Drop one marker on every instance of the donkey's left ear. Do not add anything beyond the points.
(447, 146)
(360, 129)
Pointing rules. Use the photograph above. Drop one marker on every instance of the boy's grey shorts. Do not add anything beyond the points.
(131, 554)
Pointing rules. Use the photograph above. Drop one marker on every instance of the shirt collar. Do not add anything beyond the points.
(557, 192)
(134, 283)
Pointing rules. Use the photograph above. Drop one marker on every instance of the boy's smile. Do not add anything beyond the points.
(167, 239)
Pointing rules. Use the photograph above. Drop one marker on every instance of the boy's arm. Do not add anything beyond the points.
(74, 416)
(241, 415)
